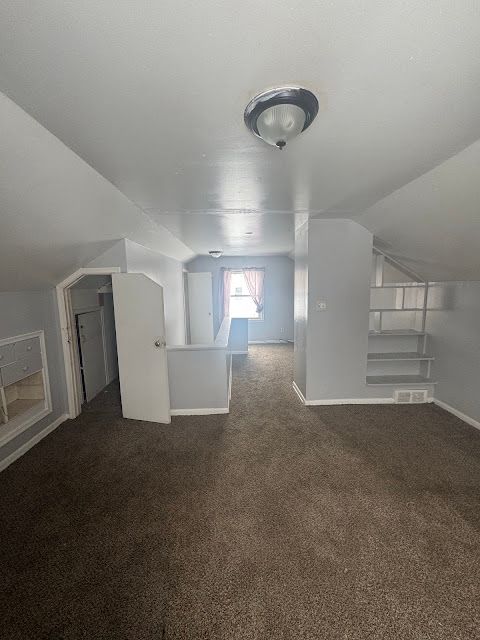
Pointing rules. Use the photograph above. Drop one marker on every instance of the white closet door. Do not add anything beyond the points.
(141, 347)
(200, 307)
(91, 352)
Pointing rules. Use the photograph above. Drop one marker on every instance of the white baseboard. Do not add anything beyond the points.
(267, 341)
(334, 401)
(32, 442)
(298, 392)
(198, 412)
(239, 353)
(230, 381)
(457, 413)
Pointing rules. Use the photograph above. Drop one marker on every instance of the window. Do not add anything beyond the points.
(241, 302)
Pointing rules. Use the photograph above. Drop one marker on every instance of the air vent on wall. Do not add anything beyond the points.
(419, 396)
(413, 396)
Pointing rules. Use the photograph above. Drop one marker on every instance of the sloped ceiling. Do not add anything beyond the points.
(432, 224)
(56, 212)
(151, 95)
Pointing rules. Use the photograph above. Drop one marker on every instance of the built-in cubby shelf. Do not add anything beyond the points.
(397, 341)
(394, 309)
(399, 285)
(399, 355)
(24, 386)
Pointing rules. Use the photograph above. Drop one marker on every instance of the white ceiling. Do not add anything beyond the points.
(92, 282)
(237, 235)
(432, 224)
(56, 212)
(151, 95)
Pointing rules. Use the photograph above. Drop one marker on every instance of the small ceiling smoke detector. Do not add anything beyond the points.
(278, 115)
(215, 254)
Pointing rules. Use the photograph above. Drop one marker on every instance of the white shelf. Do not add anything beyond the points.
(395, 285)
(386, 381)
(391, 309)
(17, 407)
(399, 355)
(396, 332)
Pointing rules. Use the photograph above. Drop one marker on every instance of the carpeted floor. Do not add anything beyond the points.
(277, 521)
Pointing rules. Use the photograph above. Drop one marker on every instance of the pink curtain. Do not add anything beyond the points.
(254, 279)
(224, 301)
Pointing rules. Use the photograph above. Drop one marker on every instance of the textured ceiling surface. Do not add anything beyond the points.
(151, 95)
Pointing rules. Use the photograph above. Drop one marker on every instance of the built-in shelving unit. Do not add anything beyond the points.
(397, 340)
(24, 387)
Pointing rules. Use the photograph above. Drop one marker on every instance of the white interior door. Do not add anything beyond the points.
(141, 347)
(200, 307)
(90, 335)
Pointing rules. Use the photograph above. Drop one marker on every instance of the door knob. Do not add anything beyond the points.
(160, 343)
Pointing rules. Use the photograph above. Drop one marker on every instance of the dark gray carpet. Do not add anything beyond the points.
(275, 522)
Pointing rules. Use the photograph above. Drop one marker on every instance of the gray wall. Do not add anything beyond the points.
(301, 307)
(23, 312)
(453, 322)
(339, 271)
(277, 323)
(115, 256)
(238, 339)
(333, 263)
(168, 273)
(135, 258)
(198, 378)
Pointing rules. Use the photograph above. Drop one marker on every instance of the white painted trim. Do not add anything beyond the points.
(463, 416)
(239, 353)
(229, 367)
(23, 336)
(298, 392)
(23, 426)
(267, 341)
(32, 442)
(198, 412)
(87, 271)
(340, 401)
(337, 401)
(79, 311)
(68, 333)
(104, 341)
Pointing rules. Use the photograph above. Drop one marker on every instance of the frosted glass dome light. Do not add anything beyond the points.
(278, 115)
(277, 125)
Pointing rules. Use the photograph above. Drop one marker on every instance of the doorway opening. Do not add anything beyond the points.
(87, 321)
(132, 306)
(94, 339)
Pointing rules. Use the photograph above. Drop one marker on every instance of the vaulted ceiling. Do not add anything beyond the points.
(151, 96)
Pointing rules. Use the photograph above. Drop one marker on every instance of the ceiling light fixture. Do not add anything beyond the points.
(278, 115)
(215, 254)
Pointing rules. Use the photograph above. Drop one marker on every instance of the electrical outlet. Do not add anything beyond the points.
(321, 305)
